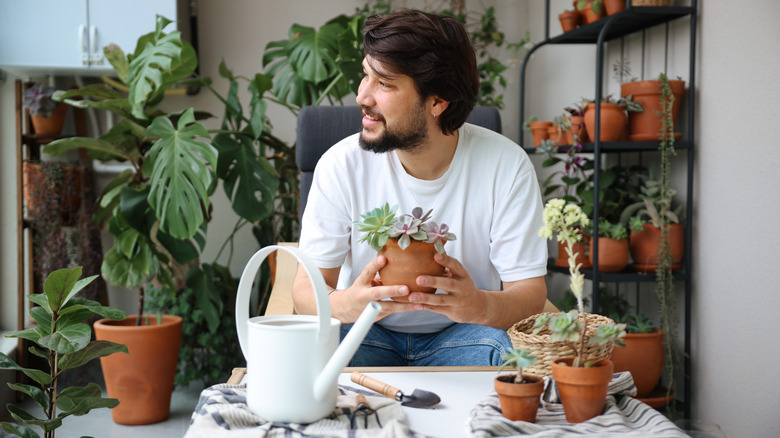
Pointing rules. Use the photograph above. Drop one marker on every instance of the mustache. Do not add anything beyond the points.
(371, 113)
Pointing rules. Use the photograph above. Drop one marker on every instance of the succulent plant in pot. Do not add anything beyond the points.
(612, 246)
(46, 114)
(573, 374)
(519, 393)
(643, 356)
(409, 243)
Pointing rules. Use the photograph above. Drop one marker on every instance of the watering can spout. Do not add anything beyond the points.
(328, 376)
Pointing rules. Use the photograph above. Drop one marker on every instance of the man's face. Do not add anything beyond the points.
(393, 113)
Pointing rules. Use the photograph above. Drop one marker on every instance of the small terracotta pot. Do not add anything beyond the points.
(644, 247)
(578, 128)
(519, 401)
(646, 125)
(613, 121)
(52, 125)
(613, 254)
(539, 131)
(643, 357)
(582, 248)
(582, 390)
(614, 6)
(404, 266)
(589, 16)
(142, 380)
(569, 20)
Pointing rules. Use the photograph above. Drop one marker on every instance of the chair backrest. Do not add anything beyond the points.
(320, 127)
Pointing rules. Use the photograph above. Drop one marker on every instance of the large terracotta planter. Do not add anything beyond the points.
(142, 380)
(582, 390)
(539, 131)
(404, 266)
(646, 125)
(52, 125)
(644, 247)
(613, 122)
(613, 254)
(643, 357)
(569, 20)
(519, 401)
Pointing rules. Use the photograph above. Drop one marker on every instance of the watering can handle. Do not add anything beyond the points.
(245, 292)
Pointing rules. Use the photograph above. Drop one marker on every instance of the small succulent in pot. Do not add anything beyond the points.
(38, 99)
(381, 224)
(519, 359)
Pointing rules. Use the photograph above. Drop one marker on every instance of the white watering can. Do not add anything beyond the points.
(293, 362)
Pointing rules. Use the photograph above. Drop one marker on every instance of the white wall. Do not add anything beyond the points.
(735, 236)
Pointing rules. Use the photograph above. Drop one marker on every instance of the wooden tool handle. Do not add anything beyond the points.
(376, 385)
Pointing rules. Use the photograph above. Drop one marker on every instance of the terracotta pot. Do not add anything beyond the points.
(404, 266)
(519, 401)
(613, 254)
(646, 126)
(613, 121)
(578, 128)
(614, 6)
(52, 125)
(539, 131)
(644, 247)
(582, 390)
(643, 357)
(142, 380)
(589, 16)
(569, 20)
(582, 248)
(70, 190)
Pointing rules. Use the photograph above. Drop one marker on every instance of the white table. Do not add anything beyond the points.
(460, 389)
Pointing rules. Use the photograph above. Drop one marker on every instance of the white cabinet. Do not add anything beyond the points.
(68, 36)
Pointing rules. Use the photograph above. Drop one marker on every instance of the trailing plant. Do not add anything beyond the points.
(572, 179)
(563, 220)
(519, 359)
(381, 224)
(63, 340)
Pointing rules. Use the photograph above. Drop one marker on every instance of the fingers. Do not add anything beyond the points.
(370, 271)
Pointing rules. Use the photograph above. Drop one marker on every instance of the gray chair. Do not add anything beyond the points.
(320, 127)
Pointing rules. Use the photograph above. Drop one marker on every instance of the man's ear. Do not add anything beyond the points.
(438, 105)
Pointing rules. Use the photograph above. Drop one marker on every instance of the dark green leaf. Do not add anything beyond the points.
(59, 284)
(34, 392)
(18, 430)
(93, 350)
(39, 376)
(69, 339)
(81, 400)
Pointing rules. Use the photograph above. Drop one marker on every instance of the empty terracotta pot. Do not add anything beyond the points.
(539, 131)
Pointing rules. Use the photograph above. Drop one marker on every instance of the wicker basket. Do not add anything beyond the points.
(649, 2)
(546, 351)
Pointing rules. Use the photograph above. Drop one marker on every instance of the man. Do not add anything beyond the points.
(414, 149)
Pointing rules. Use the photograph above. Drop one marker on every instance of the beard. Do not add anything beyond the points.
(406, 135)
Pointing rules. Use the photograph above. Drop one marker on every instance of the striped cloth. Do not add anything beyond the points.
(222, 412)
(623, 416)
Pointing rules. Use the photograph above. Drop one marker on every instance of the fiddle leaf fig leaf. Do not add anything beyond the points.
(80, 400)
(180, 179)
(69, 339)
(93, 350)
(59, 284)
(39, 376)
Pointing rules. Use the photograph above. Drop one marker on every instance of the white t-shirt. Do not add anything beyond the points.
(489, 197)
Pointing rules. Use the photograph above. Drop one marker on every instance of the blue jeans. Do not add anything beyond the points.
(457, 345)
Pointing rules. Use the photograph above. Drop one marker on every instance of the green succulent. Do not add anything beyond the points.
(376, 224)
(519, 359)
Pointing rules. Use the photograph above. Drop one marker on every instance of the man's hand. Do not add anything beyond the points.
(464, 302)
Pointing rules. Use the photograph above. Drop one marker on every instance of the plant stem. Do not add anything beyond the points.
(140, 306)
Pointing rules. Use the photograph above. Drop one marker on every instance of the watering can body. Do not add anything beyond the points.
(293, 361)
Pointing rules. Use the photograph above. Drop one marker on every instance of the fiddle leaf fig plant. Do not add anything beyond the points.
(63, 339)
(381, 224)
(563, 219)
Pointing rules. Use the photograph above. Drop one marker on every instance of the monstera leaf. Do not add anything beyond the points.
(182, 174)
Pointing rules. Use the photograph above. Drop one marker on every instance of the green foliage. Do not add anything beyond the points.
(519, 359)
(639, 323)
(64, 340)
(616, 231)
(381, 224)
(652, 205)
(376, 224)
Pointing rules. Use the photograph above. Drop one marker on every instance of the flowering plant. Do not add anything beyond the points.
(564, 219)
(38, 100)
(381, 224)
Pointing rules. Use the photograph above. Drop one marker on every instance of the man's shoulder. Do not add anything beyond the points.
(488, 144)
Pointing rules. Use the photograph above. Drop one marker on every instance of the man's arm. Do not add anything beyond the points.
(463, 302)
(347, 305)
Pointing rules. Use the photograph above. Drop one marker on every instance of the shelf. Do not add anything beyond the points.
(621, 146)
(627, 275)
(627, 21)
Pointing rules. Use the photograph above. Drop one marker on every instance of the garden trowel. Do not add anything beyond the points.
(417, 399)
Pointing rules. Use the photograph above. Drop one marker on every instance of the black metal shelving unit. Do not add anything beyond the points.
(629, 21)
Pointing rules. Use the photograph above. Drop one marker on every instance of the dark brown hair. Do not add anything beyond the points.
(433, 50)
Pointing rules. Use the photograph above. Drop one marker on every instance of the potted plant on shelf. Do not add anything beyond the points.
(582, 380)
(408, 243)
(569, 20)
(614, 120)
(63, 340)
(47, 115)
(612, 246)
(646, 125)
(518, 393)
(577, 122)
(591, 10)
(538, 129)
(643, 355)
